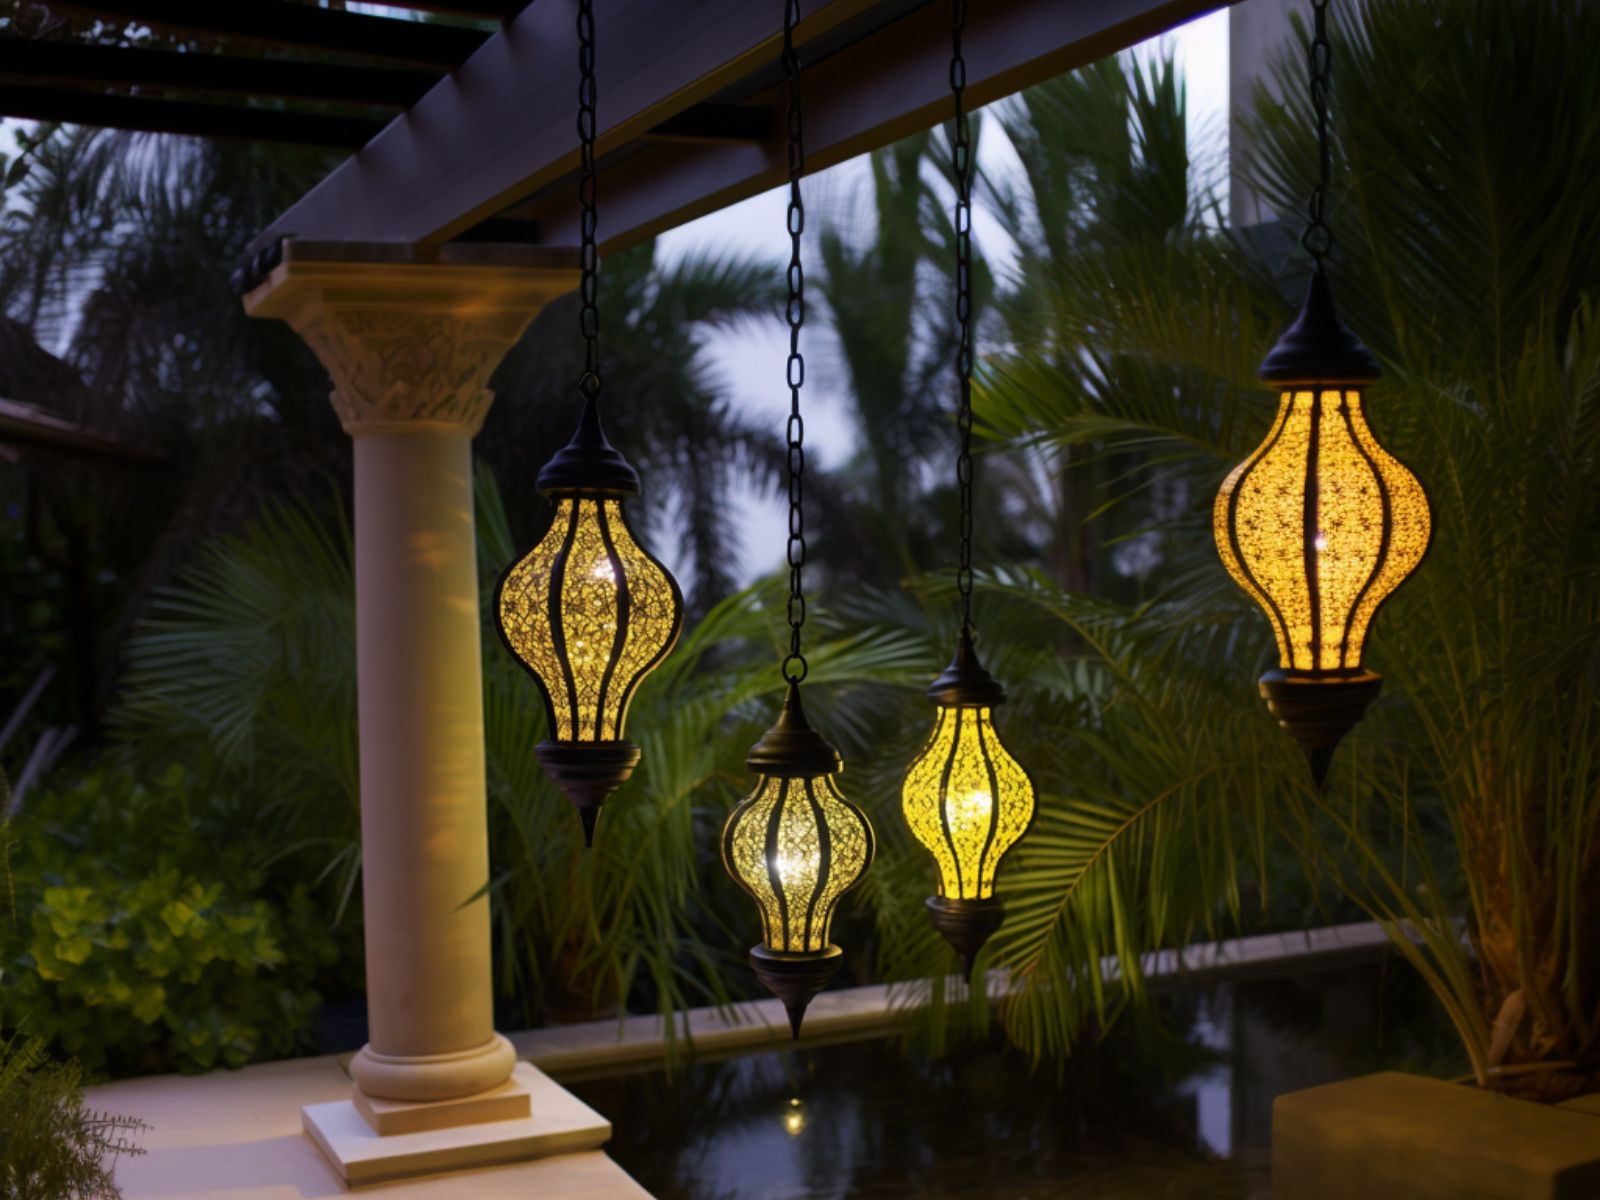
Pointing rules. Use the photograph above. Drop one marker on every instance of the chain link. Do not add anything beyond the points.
(961, 160)
(1318, 238)
(588, 254)
(795, 667)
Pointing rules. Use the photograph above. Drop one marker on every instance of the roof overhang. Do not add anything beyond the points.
(488, 151)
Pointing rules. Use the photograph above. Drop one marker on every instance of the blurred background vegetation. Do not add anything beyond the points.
(182, 834)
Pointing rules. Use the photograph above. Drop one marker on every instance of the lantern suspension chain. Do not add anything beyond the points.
(1318, 238)
(961, 159)
(794, 665)
(588, 254)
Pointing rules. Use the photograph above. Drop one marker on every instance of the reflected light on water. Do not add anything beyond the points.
(794, 1117)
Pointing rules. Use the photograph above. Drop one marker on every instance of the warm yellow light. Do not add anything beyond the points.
(590, 613)
(794, 1117)
(796, 845)
(950, 801)
(1319, 526)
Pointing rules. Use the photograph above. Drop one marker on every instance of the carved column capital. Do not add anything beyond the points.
(410, 335)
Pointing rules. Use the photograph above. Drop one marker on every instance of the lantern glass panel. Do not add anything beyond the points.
(796, 845)
(967, 801)
(590, 613)
(1319, 526)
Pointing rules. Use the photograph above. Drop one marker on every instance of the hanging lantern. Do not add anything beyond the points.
(796, 845)
(967, 801)
(1321, 524)
(588, 612)
(965, 798)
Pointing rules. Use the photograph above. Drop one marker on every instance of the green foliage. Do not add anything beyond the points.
(51, 1146)
(1465, 811)
(141, 939)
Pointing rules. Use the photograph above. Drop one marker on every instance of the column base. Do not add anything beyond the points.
(428, 1078)
(388, 1118)
(559, 1123)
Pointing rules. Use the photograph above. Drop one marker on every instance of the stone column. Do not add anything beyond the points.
(410, 338)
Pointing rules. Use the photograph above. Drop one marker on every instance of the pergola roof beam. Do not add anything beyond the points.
(498, 138)
(181, 116)
(78, 63)
(716, 123)
(274, 21)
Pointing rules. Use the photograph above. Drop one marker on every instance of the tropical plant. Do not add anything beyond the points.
(143, 935)
(1465, 812)
(52, 1147)
(252, 656)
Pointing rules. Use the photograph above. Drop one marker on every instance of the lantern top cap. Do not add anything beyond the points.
(1318, 348)
(965, 683)
(588, 465)
(791, 749)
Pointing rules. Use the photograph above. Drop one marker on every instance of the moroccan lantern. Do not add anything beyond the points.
(796, 845)
(588, 612)
(967, 801)
(1321, 524)
(1319, 527)
(964, 797)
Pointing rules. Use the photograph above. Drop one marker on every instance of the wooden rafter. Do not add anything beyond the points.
(181, 116)
(80, 64)
(278, 22)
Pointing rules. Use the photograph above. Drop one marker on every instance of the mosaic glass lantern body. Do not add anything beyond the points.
(796, 845)
(1319, 526)
(589, 613)
(967, 801)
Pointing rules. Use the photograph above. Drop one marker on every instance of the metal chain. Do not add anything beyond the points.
(961, 159)
(588, 254)
(795, 667)
(1318, 238)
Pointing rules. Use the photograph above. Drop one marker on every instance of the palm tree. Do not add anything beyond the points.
(1465, 813)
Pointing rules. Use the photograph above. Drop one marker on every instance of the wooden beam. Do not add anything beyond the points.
(483, 10)
(286, 24)
(869, 94)
(181, 116)
(80, 63)
(497, 137)
(716, 123)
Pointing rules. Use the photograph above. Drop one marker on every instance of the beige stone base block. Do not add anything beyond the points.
(508, 1102)
(560, 1124)
(1394, 1135)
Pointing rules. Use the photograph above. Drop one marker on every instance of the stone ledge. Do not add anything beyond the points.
(1394, 1135)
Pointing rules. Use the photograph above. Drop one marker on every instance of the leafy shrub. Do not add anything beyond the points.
(141, 938)
(51, 1146)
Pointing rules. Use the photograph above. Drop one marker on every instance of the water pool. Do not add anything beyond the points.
(1181, 1115)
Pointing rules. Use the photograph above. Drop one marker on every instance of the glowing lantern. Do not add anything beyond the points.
(967, 801)
(1319, 526)
(589, 613)
(796, 845)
